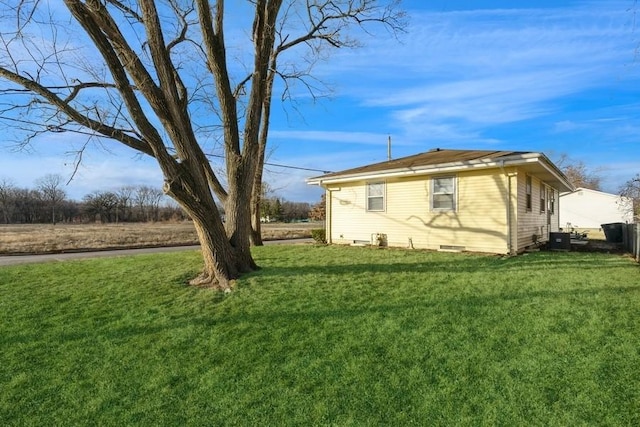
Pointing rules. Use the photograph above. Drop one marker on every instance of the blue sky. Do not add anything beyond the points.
(560, 77)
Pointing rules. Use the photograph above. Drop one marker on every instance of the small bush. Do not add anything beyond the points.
(319, 235)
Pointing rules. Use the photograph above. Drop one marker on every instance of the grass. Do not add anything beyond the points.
(324, 336)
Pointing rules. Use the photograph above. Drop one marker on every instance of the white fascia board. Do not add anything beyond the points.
(553, 171)
(314, 181)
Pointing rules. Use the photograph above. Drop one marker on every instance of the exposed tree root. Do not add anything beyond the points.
(208, 281)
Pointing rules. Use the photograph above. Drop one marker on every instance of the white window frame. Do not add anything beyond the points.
(376, 196)
(529, 193)
(454, 180)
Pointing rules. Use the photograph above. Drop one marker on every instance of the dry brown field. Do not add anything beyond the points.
(47, 238)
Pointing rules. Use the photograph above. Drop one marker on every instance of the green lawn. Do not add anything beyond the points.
(324, 336)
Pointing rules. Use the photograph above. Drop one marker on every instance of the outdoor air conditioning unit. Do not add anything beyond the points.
(559, 241)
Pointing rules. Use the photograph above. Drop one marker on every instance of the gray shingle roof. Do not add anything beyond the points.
(453, 160)
(429, 158)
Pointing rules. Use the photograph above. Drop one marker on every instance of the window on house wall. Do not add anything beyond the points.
(375, 196)
(443, 193)
(528, 192)
(543, 202)
(552, 201)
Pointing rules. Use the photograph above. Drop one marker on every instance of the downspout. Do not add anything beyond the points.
(327, 213)
(509, 216)
(508, 206)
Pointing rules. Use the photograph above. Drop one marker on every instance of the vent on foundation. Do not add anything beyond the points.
(451, 248)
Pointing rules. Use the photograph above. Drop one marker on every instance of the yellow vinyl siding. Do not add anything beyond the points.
(479, 223)
(533, 222)
(350, 220)
(555, 217)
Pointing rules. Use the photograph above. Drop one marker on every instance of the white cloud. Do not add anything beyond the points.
(329, 136)
(103, 168)
(112, 173)
(307, 138)
(488, 67)
(615, 174)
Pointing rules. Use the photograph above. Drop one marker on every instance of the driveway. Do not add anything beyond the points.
(30, 259)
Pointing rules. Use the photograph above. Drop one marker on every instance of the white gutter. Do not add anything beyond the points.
(430, 169)
(519, 160)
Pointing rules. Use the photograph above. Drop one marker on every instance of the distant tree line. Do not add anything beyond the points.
(48, 203)
(275, 209)
(130, 204)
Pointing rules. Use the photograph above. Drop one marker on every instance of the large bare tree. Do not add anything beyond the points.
(151, 68)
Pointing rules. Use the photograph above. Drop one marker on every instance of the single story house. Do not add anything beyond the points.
(586, 208)
(475, 200)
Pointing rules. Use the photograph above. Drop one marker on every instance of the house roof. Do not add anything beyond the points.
(443, 161)
(596, 193)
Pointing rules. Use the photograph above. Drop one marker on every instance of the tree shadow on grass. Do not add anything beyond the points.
(347, 309)
(451, 307)
(452, 265)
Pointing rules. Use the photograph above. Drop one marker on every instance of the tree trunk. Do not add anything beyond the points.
(256, 230)
(219, 268)
(238, 225)
(226, 253)
(256, 196)
(257, 186)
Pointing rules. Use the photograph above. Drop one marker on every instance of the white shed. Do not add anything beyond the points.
(585, 208)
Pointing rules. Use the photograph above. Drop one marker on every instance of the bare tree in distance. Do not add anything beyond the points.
(141, 73)
(579, 174)
(50, 188)
(631, 189)
(319, 210)
(148, 200)
(125, 200)
(7, 199)
(100, 205)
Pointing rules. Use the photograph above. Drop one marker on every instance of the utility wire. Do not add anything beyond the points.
(279, 165)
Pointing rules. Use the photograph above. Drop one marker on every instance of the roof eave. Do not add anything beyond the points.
(413, 171)
(513, 160)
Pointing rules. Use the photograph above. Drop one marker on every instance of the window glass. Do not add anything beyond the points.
(375, 204)
(375, 196)
(443, 193)
(376, 189)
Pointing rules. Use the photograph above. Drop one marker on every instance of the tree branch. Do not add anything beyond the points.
(214, 47)
(358, 11)
(53, 99)
(75, 89)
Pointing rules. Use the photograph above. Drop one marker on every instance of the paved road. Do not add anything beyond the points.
(30, 259)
